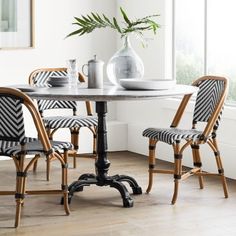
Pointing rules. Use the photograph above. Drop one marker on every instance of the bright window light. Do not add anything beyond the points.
(205, 40)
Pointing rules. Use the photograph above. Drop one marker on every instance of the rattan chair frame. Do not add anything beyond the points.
(74, 131)
(179, 148)
(23, 167)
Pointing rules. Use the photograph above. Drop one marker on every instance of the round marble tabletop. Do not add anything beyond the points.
(108, 93)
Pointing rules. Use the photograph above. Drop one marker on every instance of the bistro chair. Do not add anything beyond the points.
(208, 109)
(15, 144)
(72, 122)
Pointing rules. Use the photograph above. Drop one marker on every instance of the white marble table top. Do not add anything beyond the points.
(108, 93)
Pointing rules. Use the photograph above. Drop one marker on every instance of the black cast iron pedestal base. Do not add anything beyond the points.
(102, 166)
(112, 181)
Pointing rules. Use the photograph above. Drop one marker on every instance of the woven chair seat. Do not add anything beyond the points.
(54, 122)
(35, 147)
(7, 144)
(172, 135)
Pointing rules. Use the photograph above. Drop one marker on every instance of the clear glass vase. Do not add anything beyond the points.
(125, 64)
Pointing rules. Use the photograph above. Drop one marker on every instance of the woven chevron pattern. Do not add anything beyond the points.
(208, 96)
(40, 79)
(35, 147)
(54, 104)
(171, 135)
(7, 144)
(11, 119)
(70, 121)
(12, 131)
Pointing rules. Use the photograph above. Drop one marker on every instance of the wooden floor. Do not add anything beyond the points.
(98, 210)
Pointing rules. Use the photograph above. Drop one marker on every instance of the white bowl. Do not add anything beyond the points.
(58, 81)
(147, 84)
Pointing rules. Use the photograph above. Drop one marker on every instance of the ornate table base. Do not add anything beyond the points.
(102, 166)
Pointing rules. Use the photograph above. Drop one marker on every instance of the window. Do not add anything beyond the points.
(205, 40)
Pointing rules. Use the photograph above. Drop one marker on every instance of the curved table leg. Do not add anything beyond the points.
(102, 166)
(132, 182)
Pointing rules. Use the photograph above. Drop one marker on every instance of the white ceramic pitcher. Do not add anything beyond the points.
(94, 73)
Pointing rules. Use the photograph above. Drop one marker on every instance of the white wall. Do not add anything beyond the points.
(53, 21)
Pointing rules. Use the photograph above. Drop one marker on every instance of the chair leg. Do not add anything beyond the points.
(18, 211)
(48, 165)
(35, 164)
(197, 162)
(24, 186)
(20, 190)
(177, 172)
(152, 162)
(64, 183)
(76, 146)
(75, 142)
(176, 189)
(220, 168)
(48, 159)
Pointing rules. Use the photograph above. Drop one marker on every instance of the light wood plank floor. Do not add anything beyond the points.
(98, 211)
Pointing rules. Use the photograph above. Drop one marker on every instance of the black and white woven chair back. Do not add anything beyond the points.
(11, 120)
(40, 79)
(208, 97)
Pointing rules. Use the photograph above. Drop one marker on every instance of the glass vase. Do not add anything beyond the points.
(125, 64)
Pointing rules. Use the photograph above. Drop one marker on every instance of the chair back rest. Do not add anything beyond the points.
(12, 120)
(208, 97)
(210, 102)
(39, 78)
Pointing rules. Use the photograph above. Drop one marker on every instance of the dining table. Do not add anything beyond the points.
(101, 97)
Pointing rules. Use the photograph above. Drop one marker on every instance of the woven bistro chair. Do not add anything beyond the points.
(73, 122)
(208, 109)
(16, 145)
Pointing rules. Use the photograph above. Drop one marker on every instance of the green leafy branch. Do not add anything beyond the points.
(87, 24)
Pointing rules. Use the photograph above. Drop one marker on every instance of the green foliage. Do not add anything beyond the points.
(189, 68)
(87, 24)
(232, 94)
